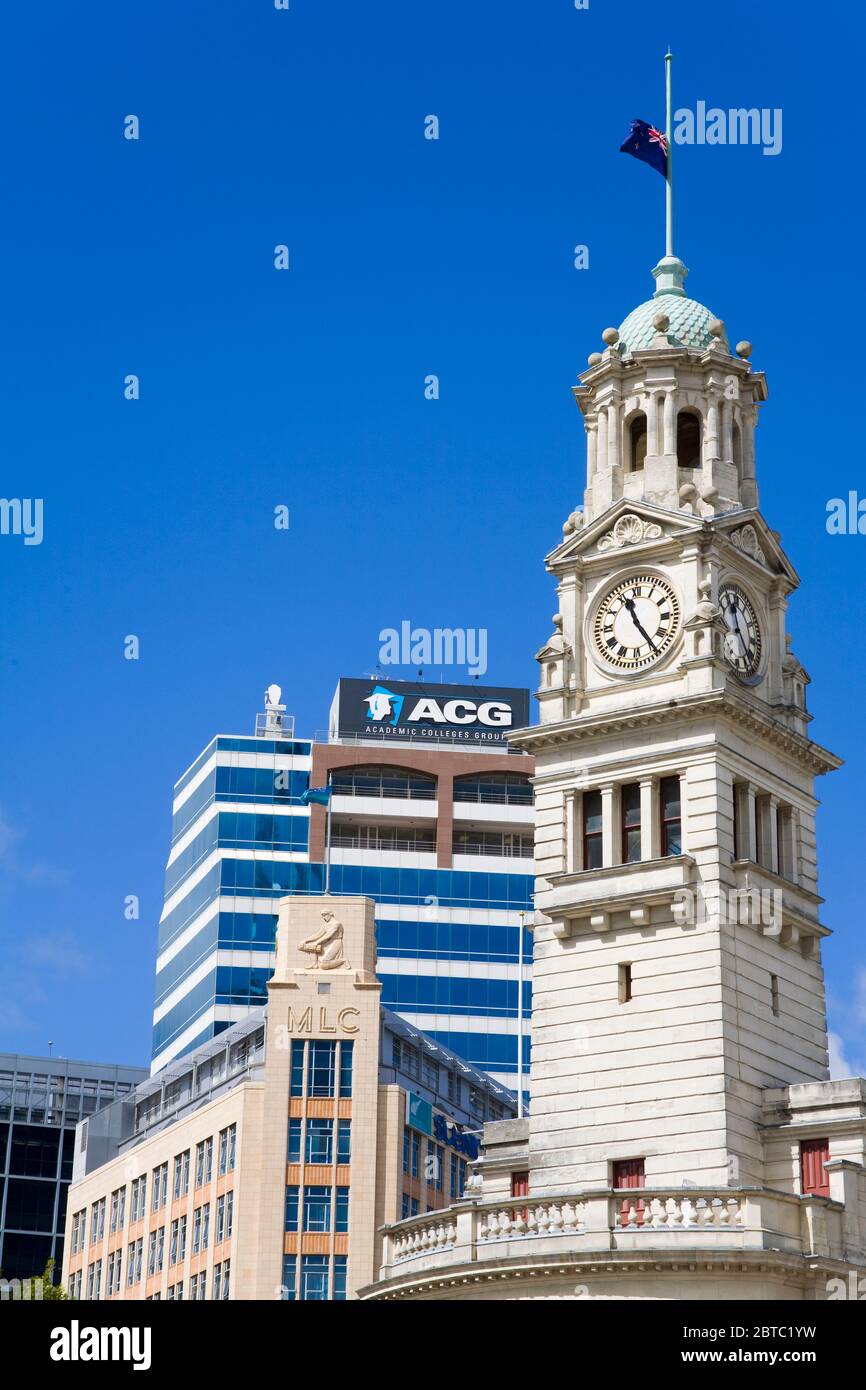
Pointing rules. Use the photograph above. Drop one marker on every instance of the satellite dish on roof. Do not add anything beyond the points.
(272, 695)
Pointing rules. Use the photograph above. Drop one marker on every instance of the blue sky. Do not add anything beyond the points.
(305, 388)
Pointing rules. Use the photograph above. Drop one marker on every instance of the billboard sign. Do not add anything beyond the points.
(402, 711)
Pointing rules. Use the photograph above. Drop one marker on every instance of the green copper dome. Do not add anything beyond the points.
(689, 321)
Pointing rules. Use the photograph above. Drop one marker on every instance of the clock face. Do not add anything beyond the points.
(743, 638)
(636, 623)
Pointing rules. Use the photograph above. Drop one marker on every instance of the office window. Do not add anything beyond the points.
(416, 1153)
(404, 1210)
(151, 1253)
(592, 830)
(294, 1148)
(317, 1208)
(172, 1248)
(341, 1211)
(297, 1069)
(814, 1178)
(320, 1141)
(436, 1155)
(321, 1068)
(227, 1149)
(340, 1265)
(630, 816)
(671, 816)
(314, 1278)
(289, 1292)
(454, 1088)
(181, 1175)
(458, 1177)
(292, 1199)
(160, 1187)
(220, 1219)
(413, 1206)
(344, 1141)
(205, 1226)
(405, 1154)
(346, 1053)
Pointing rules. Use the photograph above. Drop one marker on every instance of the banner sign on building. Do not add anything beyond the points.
(403, 711)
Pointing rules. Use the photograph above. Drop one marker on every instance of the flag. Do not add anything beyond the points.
(648, 143)
(320, 796)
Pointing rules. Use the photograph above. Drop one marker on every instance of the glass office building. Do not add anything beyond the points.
(41, 1101)
(441, 839)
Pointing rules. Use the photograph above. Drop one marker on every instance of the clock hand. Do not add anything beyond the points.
(629, 603)
(736, 626)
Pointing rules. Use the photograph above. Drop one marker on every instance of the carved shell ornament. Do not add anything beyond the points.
(746, 539)
(629, 530)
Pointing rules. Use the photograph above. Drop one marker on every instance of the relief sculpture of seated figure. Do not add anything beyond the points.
(326, 945)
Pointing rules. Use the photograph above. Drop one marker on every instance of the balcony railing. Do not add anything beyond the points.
(410, 846)
(401, 793)
(645, 1219)
(504, 851)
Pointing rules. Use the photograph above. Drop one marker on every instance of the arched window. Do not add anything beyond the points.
(637, 434)
(688, 439)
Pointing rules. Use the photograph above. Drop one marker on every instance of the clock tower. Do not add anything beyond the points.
(678, 967)
(684, 1140)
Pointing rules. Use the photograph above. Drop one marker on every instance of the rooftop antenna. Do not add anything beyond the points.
(273, 724)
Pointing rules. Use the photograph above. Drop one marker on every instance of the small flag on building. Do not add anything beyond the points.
(319, 796)
(648, 143)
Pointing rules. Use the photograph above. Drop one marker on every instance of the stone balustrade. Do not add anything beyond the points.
(475, 1233)
(680, 1211)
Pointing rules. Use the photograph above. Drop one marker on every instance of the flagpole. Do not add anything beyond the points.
(328, 846)
(669, 194)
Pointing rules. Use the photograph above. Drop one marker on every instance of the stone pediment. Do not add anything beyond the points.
(749, 533)
(626, 526)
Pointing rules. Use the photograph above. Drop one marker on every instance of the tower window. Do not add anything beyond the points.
(625, 994)
(630, 815)
(628, 1172)
(688, 440)
(774, 994)
(671, 816)
(592, 830)
(737, 444)
(637, 431)
(814, 1178)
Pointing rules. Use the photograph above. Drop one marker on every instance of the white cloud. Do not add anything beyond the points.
(840, 1067)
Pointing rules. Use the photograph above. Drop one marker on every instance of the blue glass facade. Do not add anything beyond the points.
(240, 840)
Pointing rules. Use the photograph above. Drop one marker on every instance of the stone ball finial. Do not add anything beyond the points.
(717, 328)
(557, 620)
(662, 323)
(744, 349)
(610, 336)
(594, 359)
